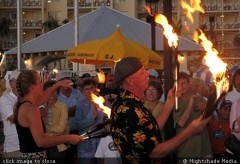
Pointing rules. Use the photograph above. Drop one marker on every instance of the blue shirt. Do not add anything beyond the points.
(83, 121)
(75, 97)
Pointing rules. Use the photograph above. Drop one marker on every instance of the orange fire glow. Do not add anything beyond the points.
(98, 90)
(99, 100)
(216, 65)
(101, 77)
(167, 30)
(149, 11)
(190, 9)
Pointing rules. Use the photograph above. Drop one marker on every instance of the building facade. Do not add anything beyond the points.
(221, 19)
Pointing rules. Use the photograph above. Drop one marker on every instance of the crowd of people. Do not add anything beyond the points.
(47, 120)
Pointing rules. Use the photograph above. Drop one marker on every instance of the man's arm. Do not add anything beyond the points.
(167, 109)
(185, 116)
(163, 149)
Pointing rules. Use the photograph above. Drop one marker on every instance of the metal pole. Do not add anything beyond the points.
(168, 54)
(76, 65)
(153, 35)
(168, 75)
(43, 15)
(19, 33)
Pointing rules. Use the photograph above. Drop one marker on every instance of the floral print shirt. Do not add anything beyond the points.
(134, 130)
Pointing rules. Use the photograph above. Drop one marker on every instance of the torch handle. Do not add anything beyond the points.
(96, 128)
(176, 85)
(176, 72)
(98, 135)
(212, 102)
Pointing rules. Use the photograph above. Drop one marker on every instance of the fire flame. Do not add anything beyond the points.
(98, 90)
(101, 77)
(168, 30)
(99, 100)
(216, 66)
(149, 11)
(190, 9)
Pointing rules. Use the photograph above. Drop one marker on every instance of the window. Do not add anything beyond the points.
(11, 16)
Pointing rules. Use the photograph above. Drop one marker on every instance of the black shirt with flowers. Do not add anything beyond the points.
(134, 130)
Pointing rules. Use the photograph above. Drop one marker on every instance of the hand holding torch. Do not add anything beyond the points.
(87, 135)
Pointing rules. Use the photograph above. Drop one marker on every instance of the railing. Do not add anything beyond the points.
(9, 44)
(13, 3)
(219, 7)
(222, 26)
(27, 23)
(227, 44)
(89, 4)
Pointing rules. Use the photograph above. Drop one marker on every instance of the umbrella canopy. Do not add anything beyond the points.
(109, 50)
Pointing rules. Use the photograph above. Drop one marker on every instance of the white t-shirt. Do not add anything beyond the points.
(234, 114)
(107, 149)
(233, 95)
(7, 102)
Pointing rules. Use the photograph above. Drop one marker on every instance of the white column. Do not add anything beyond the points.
(19, 33)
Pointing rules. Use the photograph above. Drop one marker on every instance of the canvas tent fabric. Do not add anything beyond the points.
(99, 24)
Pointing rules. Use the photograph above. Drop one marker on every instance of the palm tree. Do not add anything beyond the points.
(65, 21)
(4, 26)
(51, 24)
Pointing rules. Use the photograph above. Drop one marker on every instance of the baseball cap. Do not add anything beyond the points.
(126, 67)
(63, 75)
(153, 72)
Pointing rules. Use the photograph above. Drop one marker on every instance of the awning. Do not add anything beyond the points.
(99, 24)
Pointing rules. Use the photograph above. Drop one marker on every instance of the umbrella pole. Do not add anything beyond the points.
(76, 28)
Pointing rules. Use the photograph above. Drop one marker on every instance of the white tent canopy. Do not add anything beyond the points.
(99, 24)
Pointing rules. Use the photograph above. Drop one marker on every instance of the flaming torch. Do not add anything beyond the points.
(99, 100)
(219, 72)
(172, 42)
(216, 66)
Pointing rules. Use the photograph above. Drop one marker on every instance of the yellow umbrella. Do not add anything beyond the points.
(109, 50)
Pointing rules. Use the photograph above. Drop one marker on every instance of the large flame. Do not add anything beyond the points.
(101, 77)
(99, 100)
(167, 30)
(216, 66)
(189, 9)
